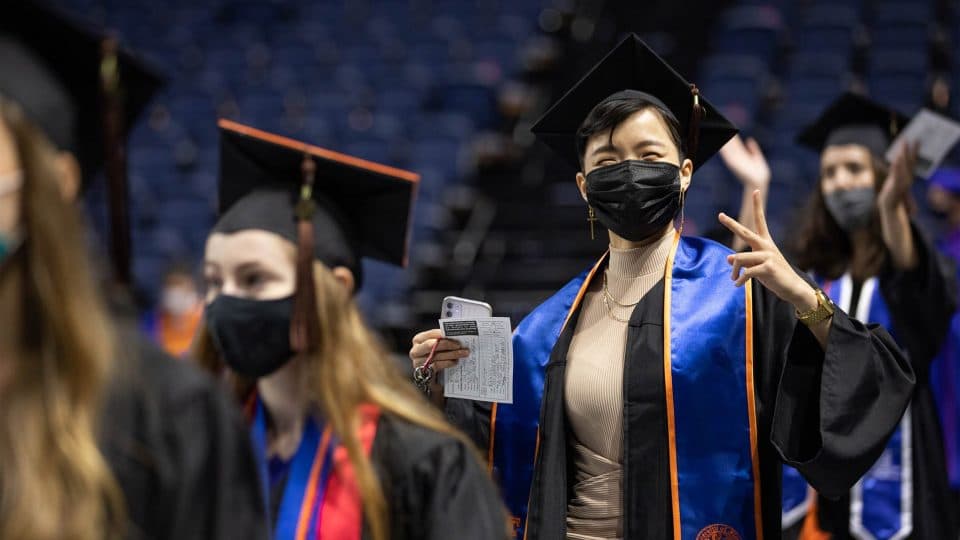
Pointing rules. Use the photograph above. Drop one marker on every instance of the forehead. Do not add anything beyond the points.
(843, 153)
(644, 125)
(249, 246)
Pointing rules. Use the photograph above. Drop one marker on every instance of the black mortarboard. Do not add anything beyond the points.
(363, 208)
(50, 65)
(633, 67)
(335, 208)
(854, 119)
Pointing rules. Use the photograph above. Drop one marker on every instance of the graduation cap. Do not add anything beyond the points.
(632, 68)
(84, 92)
(854, 119)
(56, 69)
(336, 208)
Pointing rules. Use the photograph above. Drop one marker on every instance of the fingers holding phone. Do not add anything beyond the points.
(449, 351)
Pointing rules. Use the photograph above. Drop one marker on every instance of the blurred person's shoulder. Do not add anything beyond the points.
(140, 362)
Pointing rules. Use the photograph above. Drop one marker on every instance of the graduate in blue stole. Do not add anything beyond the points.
(858, 239)
(347, 448)
(660, 392)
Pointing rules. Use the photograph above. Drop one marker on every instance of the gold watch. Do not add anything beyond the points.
(824, 310)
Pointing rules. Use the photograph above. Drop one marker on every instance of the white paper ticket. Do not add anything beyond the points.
(487, 374)
(936, 134)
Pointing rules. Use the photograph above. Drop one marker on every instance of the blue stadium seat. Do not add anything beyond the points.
(438, 153)
(825, 39)
(475, 100)
(804, 63)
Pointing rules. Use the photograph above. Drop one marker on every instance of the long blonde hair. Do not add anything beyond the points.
(349, 369)
(56, 359)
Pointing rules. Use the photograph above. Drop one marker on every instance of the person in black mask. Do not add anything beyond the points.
(857, 238)
(658, 394)
(347, 446)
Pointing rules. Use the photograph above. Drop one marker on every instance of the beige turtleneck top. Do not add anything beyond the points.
(593, 390)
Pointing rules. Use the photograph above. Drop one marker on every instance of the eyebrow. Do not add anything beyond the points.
(251, 265)
(611, 148)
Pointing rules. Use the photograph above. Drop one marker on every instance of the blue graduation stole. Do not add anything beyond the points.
(708, 370)
(299, 514)
(881, 502)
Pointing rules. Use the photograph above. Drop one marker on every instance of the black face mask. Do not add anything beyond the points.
(252, 336)
(635, 199)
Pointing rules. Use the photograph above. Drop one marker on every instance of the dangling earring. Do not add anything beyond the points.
(682, 200)
(591, 219)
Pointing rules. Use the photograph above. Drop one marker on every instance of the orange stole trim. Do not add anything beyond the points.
(668, 385)
(493, 437)
(310, 500)
(752, 411)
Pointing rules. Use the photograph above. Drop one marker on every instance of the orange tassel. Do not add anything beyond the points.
(305, 324)
(696, 115)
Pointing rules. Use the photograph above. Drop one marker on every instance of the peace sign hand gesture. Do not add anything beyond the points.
(765, 263)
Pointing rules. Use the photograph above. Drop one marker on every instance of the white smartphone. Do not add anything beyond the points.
(455, 307)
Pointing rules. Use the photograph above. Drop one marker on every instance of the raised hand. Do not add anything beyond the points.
(894, 204)
(766, 263)
(747, 162)
(896, 188)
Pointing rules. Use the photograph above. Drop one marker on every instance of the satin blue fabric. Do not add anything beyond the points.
(515, 431)
(708, 366)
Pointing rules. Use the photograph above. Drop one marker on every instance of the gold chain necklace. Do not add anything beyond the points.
(611, 313)
(606, 293)
(607, 298)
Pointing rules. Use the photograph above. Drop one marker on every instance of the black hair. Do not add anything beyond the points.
(614, 110)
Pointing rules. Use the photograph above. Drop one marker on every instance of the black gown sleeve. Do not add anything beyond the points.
(921, 302)
(436, 486)
(833, 408)
(180, 451)
(472, 418)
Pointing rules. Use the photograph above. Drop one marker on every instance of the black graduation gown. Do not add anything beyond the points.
(180, 450)
(833, 449)
(434, 485)
(921, 303)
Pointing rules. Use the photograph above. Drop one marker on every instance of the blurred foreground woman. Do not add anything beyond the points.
(101, 434)
(56, 347)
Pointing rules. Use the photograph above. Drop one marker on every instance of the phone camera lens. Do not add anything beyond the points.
(449, 305)
(449, 314)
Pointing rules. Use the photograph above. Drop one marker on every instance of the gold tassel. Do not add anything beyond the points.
(696, 115)
(591, 218)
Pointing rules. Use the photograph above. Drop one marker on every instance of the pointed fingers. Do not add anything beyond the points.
(759, 216)
(736, 228)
